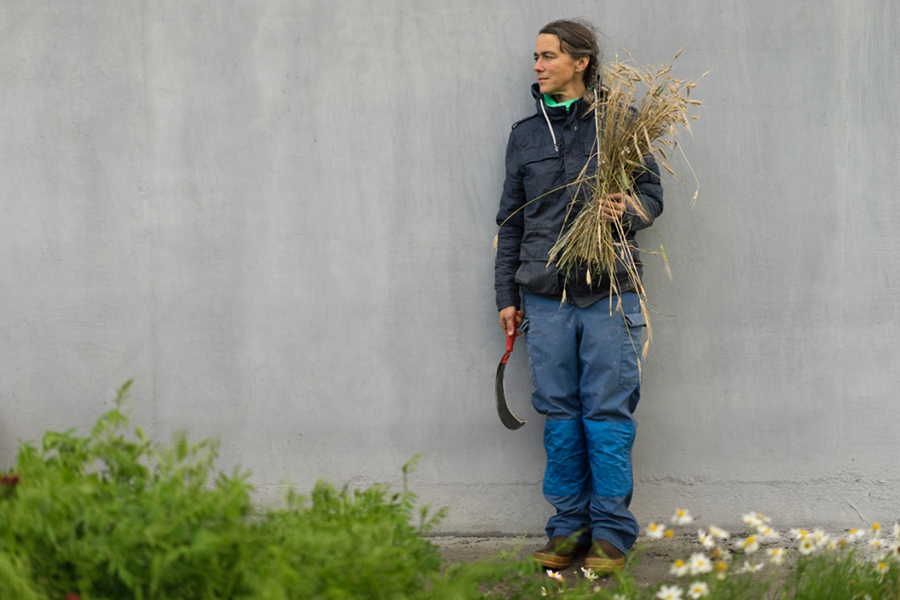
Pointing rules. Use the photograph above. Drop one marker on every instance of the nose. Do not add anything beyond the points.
(538, 67)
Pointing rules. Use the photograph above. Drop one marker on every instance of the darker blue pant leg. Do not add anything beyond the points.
(610, 443)
(567, 483)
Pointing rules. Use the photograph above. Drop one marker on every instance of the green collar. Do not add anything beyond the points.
(551, 102)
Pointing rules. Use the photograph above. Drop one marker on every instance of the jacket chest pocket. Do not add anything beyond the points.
(543, 173)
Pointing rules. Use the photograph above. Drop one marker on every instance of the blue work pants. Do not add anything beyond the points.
(585, 365)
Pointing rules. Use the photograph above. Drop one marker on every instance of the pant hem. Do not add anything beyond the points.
(613, 538)
(579, 534)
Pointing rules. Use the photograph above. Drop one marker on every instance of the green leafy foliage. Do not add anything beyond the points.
(112, 515)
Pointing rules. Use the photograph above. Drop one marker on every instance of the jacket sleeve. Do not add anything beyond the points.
(511, 224)
(648, 189)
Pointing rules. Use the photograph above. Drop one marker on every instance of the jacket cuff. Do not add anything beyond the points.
(632, 222)
(509, 296)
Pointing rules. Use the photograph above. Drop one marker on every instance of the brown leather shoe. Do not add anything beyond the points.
(604, 559)
(559, 552)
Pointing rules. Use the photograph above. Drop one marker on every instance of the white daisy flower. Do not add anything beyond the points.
(882, 567)
(682, 517)
(876, 542)
(721, 568)
(589, 574)
(855, 534)
(767, 532)
(700, 564)
(820, 538)
(799, 534)
(655, 531)
(807, 546)
(706, 539)
(698, 589)
(897, 530)
(543, 591)
(669, 592)
(718, 532)
(776, 555)
(679, 568)
(555, 575)
(749, 545)
(875, 528)
(755, 519)
(750, 567)
(720, 554)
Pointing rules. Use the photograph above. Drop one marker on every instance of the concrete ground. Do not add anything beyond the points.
(651, 566)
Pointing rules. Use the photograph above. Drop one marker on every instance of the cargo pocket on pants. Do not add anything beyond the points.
(632, 346)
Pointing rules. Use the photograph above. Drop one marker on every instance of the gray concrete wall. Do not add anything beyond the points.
(277, 217)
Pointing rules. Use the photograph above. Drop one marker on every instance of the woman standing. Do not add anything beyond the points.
(583, 351)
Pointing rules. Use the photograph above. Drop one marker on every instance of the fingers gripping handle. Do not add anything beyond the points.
(510, 342)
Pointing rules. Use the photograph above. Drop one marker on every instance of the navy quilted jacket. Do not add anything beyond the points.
(535, 164)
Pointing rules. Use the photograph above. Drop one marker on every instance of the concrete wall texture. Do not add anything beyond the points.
(277, 217)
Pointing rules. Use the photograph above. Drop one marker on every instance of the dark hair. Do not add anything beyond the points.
(578, 38)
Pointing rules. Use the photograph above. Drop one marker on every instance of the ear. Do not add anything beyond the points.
(582, 63)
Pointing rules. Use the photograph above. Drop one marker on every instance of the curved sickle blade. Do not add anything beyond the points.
(509, 420)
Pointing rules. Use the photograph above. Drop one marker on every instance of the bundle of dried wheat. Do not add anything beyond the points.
(630, 126)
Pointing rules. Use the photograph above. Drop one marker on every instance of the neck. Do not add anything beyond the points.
(576, 90)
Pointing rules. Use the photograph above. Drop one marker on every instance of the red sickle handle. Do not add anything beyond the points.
(510, 342)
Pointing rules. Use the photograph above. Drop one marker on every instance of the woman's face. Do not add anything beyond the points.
(558, 73)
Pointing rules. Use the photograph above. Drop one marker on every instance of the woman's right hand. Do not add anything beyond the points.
(510, 319)
(612, 207)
